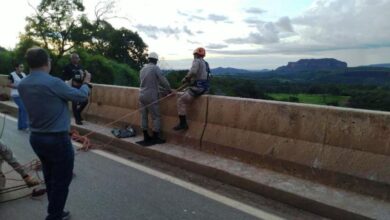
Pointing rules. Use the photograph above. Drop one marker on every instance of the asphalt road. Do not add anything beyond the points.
(104, 188)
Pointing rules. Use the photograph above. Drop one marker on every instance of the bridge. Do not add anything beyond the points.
(305, 161)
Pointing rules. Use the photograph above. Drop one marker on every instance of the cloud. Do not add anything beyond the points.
(216, 46)
(217, 18)
(252, 20)
(187, 31)
(191, 17)
(193, 42)
(196, 18)
(352, 23)
(267, 33)
(255, 11)
(182, 13)
(200, 32)
(154, 31)
(284, 24)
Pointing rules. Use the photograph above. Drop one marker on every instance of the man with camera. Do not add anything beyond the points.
(46, 100)
(74, 73)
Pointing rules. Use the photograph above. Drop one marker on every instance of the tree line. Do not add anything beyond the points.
(112, 55)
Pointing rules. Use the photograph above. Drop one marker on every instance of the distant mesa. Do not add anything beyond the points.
(312, 65)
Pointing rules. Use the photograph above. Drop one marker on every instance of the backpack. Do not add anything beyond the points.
(208, 70)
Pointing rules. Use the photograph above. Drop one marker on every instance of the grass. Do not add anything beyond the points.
(323, 99)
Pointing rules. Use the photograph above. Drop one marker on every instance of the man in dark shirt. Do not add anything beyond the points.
(75, 73)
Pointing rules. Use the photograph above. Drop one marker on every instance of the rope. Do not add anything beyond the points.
(86, 144)
(75, 135)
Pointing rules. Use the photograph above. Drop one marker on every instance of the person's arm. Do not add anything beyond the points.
(68, 93)
(192, 72)
(11, 82)
(162, 80)
(8, 156)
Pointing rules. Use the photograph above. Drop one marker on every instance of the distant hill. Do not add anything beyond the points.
(385, 65)
(234, 71)
(312, 65)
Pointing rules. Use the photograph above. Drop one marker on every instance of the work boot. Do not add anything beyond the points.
(182, 124)
(148, 141)
(157, 139)
(31, 181)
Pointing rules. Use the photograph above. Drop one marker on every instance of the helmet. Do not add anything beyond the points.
(200, 51)
(153, 55)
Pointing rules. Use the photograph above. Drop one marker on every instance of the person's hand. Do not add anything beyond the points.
(87, 78)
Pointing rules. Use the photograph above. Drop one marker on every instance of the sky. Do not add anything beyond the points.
(248, 34)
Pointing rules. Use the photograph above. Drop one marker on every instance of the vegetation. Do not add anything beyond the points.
(113, 56)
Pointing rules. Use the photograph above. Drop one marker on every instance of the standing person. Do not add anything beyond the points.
(75, 73)
(151, 78)
(14, 80)
(197, 79)
(45, 98)
(7, 155)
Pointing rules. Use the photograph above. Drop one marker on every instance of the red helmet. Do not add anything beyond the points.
(200, 51)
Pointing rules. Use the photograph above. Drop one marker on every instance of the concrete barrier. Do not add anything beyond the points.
(3, 82)
(108, 103)
(347, 148)
(333, 145)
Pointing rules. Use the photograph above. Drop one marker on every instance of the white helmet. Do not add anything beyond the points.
(153, 55)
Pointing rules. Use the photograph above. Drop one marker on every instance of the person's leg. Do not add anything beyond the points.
(2, 177)
(57, 156)
(81, 107)
(76, 113)
(145, 125)
(22, 115)
(144, 117)
(62, 173)
(156, 117)
(182, 104)
(39, 149)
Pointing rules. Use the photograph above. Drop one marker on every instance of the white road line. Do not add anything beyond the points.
(194, 188)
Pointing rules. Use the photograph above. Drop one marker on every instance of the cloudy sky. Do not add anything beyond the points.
(250, 34)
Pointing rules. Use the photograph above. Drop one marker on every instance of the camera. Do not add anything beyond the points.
(78, 76)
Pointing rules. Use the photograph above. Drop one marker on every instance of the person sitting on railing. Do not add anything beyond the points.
(198, 81)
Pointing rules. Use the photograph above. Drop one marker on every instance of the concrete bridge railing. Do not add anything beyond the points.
(343, 147)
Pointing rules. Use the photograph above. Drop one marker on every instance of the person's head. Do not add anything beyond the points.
(38, 58)
(199, 52)
(153, 57)
(74, 59)
(18, 67)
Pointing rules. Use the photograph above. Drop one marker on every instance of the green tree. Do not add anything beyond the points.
(53, 23)
(122, 45)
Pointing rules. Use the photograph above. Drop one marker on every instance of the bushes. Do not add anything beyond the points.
(6, 62)
(103, 70)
